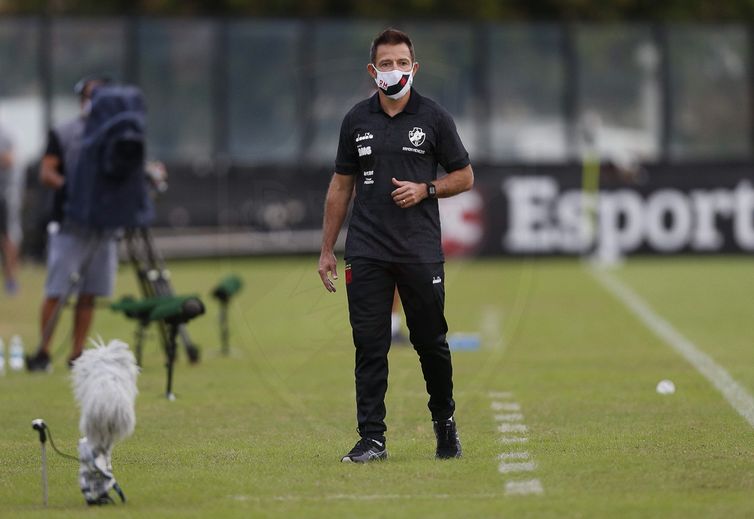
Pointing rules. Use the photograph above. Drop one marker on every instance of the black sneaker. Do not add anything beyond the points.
(39, 362)
(366, 449)
(448, 442)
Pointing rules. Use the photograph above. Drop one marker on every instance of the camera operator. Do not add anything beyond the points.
(68, 243)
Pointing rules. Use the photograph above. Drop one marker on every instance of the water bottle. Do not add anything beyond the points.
(16, 353)
(2, 357)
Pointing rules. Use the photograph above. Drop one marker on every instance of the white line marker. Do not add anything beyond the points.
(519, 488)
(491, 327)
(360, 497)
(513, 456)
(509, 440)
(517, 466)
(733, 392)
(503, 406)
(511, 417)
(513, 462)
(512, 428)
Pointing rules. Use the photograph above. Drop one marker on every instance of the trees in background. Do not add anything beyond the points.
(500, 10)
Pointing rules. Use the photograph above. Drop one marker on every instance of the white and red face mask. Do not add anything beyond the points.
(396, 83)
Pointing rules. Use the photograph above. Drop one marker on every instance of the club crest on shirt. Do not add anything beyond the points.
(416, 136)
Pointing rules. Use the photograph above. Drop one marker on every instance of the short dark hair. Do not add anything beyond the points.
(80, 89)
(390, 36)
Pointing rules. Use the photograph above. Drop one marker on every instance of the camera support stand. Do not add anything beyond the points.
(154, 281)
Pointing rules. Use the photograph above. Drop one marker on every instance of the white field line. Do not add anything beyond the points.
(512, 428)
(509, 417)
(532, 486)
(360, 497)
(513, 456)
(502, 406)
(515, 462)
(491, 327)
(516, 466)
(733, 392)
(508, 440)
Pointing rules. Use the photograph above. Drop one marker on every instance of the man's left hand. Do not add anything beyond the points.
(408, 194)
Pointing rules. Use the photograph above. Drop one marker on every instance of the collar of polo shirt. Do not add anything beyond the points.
(411, 107)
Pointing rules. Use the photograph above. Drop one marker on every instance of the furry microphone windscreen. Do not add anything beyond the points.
(104, 385)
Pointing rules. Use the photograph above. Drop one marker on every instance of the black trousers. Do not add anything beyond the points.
(370, 285)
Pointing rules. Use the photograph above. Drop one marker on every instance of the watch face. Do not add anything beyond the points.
(431, 190)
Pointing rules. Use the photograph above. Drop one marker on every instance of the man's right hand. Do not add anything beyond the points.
(48, 172)
(55, 181)
(327, 264)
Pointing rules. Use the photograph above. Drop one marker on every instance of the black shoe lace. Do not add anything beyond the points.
(361, 446)
(365, 445)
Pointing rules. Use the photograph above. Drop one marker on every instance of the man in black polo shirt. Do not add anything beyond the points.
(389, 149)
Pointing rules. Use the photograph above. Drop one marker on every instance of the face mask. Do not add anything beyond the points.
(395, 84)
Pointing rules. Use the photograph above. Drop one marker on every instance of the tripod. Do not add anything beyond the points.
(170, 312)
(153, 278)
(154, 281)
(224, 291)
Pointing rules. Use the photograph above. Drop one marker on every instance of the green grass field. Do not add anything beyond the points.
(260, 433)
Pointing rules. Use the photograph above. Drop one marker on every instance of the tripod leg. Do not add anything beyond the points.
(52, 321)
(76, 278)
(224, 333)
(140, 261)
(171, 361)
(161, 286)
(137, 263)
(192, 352)
(140, 342)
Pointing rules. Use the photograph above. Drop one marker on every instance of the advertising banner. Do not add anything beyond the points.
(512, 210)
(659, 209)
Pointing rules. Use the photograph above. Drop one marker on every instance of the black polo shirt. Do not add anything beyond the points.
(375, 148)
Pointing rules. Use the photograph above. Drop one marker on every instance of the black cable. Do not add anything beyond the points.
(62, 343)
(49, 433)
(116, 487)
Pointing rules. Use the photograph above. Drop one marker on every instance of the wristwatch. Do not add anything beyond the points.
(431, 190)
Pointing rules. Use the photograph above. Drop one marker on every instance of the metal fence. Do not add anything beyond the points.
(263, 91)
